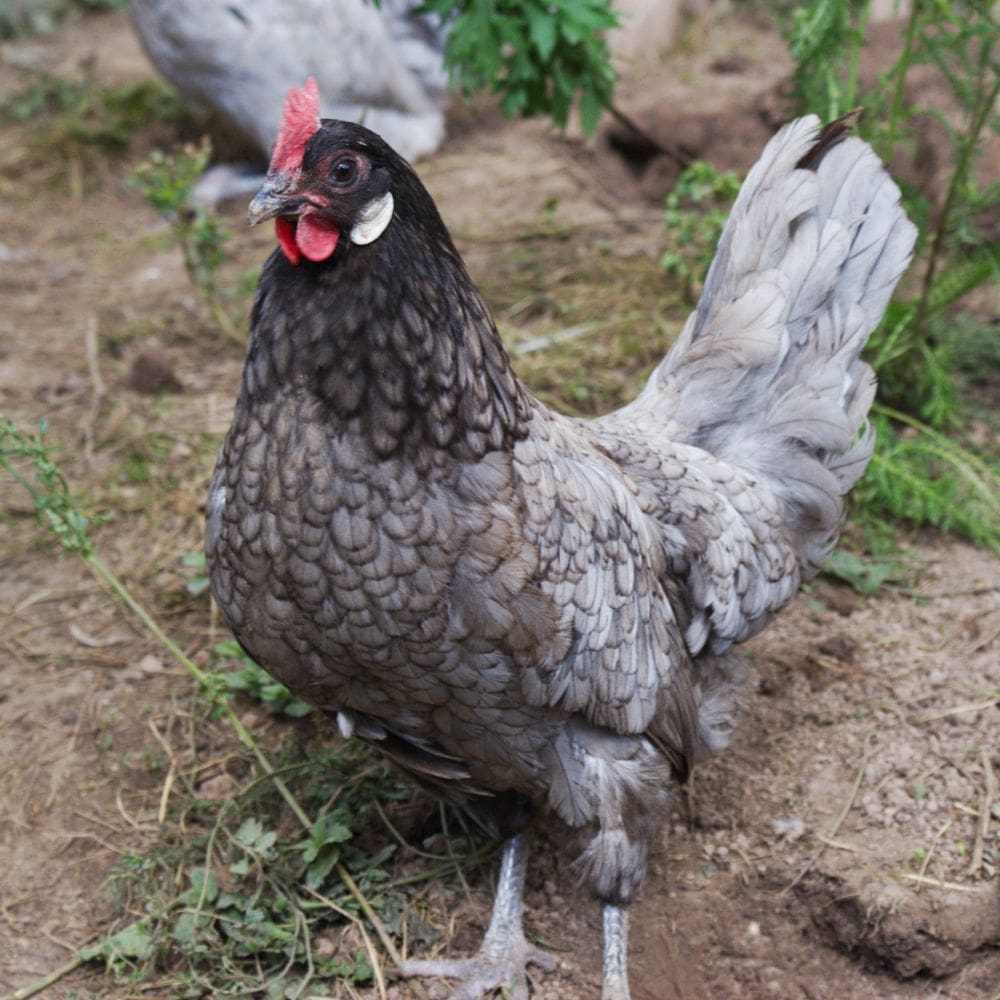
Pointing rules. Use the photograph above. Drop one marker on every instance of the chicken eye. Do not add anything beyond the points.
(345, 170)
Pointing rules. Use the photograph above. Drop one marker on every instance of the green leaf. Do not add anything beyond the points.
(322, 866)
(591, 106)
(249, 832)
(866, 576)
(543, 30)
(204, 887)
(133, 941)
(241, 867)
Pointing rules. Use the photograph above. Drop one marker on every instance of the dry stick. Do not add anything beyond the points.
(373, 918)
(937, 883)
(985, 806)
(97, 384)
(930, 850)
(41, 984)
(832, 833)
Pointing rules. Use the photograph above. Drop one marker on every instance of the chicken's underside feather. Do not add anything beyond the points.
(516, 604)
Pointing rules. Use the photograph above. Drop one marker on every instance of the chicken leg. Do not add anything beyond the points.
(615, 963)
(505, 954)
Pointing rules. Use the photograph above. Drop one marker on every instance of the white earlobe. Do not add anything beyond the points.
(373, 220)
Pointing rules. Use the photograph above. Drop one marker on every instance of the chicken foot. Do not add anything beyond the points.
(505, 954)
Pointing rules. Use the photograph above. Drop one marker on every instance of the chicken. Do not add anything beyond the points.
(383, 65)
(535, 614)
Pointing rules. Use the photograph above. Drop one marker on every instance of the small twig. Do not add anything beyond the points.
(680, 157)
(985, 807)
(547, 340)
(971, 706)
(374, 959)
(839, 844)
(168, 784)
(930, 850)
(938, 883)
(43, 984)
(97, 384)
(832, 833)
(373, 917)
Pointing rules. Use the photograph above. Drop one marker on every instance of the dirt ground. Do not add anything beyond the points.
(846, 846)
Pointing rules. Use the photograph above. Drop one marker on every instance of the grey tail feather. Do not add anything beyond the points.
(767, 372)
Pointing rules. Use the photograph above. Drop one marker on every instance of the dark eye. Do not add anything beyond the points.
(345, 170)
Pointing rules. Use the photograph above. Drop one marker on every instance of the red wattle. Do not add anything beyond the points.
(316, 237)
(285, 230)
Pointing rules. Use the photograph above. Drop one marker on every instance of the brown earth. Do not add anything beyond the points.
(837, 850)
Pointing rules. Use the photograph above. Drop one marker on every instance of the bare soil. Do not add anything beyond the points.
(846, 846)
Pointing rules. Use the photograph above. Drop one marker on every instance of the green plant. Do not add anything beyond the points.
(254, 681)
(866, 576)
(825, 38)
(696, 211)
(167, 181)
(228, 902)
(197, 583)
(921, 472)
(22, 17)
(541, 56)
(71, 114)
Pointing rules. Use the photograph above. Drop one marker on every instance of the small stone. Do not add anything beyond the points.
(152, 371)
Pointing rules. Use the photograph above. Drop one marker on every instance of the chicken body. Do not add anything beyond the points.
(527, 611)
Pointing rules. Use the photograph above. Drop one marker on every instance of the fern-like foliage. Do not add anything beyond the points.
(922, 477)
(922, 472)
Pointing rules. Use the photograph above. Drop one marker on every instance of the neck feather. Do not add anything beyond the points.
(393, 341)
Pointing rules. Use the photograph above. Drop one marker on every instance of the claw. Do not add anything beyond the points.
(486, 973)
(505, 954)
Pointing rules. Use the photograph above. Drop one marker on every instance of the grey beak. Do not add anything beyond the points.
(271, 200)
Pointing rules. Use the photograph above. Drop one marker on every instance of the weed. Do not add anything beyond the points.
(696, 212)
(920, 472)
(197, 583)
(72, 115)
(166, 181)
(866, 576)
(541, 57)
(256, 682)
(25, 17)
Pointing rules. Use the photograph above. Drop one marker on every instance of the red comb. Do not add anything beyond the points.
(298, 122)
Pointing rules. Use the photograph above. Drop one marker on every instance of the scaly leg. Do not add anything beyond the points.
(505, 954)
(615, 985)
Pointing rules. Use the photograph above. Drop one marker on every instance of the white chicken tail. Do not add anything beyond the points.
(766, 374)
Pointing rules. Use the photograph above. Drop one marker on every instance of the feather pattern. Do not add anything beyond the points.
(517, 606)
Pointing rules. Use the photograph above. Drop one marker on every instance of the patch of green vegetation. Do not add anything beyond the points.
(254, 681)
(197, 581)
(696, 212)
(540, 56)
(72, 114)
(167, 181)
(27, 17)
(228, 902)
(924, 471)
(235, 893)
(865, 575)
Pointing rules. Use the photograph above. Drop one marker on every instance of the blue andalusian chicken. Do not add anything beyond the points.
(533, 613)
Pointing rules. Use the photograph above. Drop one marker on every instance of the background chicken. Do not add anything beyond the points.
(382, 65)
(531, 612)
